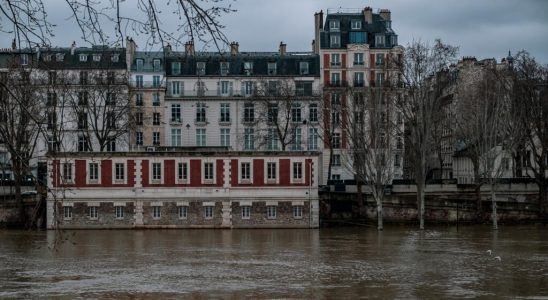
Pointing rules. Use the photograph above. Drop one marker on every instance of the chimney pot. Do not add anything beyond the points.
(283, 48)
(234, 48)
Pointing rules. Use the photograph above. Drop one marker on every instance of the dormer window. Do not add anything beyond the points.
(272, 68)
(47, 57)
(335, 40)
(24, 59)
(139, 64)
(248, 68)
(59, 56)
(388, 24)
(115, 57)
(334, 25)
(83, 57)
(156, 65)
(96, 57)
(303, 68)
(379, 40)
(224, 68)
(356, 24)
(200, 68)
(394, 40)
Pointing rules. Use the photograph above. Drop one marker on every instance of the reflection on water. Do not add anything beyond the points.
(329, 263)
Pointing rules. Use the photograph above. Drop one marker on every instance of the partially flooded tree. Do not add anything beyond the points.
(420, 69)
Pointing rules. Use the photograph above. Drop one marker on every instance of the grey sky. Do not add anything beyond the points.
(482, 28)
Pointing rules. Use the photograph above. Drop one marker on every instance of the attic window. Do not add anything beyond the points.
(83, 57)
(156, 65)
(334, 25)
(303, 68)
(200, 68)
(271, 68)
(335, 40)
(379, 40)
(96, 57)
(59, 56)
(47, 57)
(115, 57)
(356, 24)
(248, 68)
(24, 59)
(224, 68)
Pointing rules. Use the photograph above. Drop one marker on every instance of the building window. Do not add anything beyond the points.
(111, 99)
(225, 137)
(119, 212)
(139, 138)
(93, 212)
(358, 59)
(156, 119)
(115, 57)
(24, 59)
(356, 24)
(139, 81)
(394, 40)
(93, 172)
(156, 212)
(336, 160)
(334, 25)
(335, 79)
(313, 138)
(156, 171)
(359, 37)
(246, 212)
(247, 88)
(176, 113)
(271, 171)
(248, 68)
(155, 81)
(224, 68)
(155, 99)
(359, 80)
(176, 137)
(380, 79)
(120, 172)
(83, 77)
(379, 59)
(303, 68)
(245, 171)
(272, 112)
(397, 160)
(175, 68)
(379, 40)
(226, 88)
(272, 68)
(335, 40)
(271, 212)
(96, 57)
(335, 59)
(200, 137)
(111, 144)
(156, 65)
(175, 88)
(67, 212)
(272, 139)
(297, 212)
(335, 176)
(249, 139)
(249, 112)
(183, 212)
(156, 138)
(83, 143)
(336, 141)
(297, 139)
(313, 112)
(297, 170)
(303, 88)
(139, 118)
(200, 68)
(139, 100)
(83, 57)
(225, 112)
(67, 172)
(52, 120)
(182, 171)
(208, 212)
(139, 64)
(200, 112)
(82, 98)
(296, 112)
(208, 171)
(52, 77)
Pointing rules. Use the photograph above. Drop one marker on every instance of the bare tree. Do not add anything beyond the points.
(420, 69)
(530, 92)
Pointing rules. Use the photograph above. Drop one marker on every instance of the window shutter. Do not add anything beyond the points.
(371, 60)
(343, 60)
(326, 60)
(242, 88)
(231, 88)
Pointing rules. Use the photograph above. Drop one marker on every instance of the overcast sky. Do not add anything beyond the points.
(482, 28)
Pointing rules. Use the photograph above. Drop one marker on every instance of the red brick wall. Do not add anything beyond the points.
(258, 172)
(195, 172)
(219, 172)
(106, 173)
(80, 173)
(285, 166)
(234, 172)
(144, 173)
(130, 173)
(169, 172)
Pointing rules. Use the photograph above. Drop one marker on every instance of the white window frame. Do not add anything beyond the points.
(88, 172)
(206, 163)
(114, 179)
(299, 175)
(182, 211)
(267, 173)
(225, 137)
(67, 212)
(335, 40)
(209, 211)
(356, 24)
(334, 25)
(201, 137)
(241, 179)
(65, 179)
(271, 212)
(181, 179)
(298, 211)
(156, 166)
(156, 212)
(83, 57)
(93, 212)
(245, 212)
(358, 59)
(176, 137)
(119, 212)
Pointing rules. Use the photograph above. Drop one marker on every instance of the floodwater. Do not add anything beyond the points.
(334, 263)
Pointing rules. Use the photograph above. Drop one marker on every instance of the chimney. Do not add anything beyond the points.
(167, 49)
(368, 14)
(131, 47)
(283, 48)
(189, 48)
(234, 48)
(385, 14)
(13, 44)
(72, 47)
(314, 46)
(321, 19)
(318, 26)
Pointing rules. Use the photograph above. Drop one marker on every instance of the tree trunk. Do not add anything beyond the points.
(420, 203)
(18, 197)
(494, 207)
(542, 190)
(379, 213)
(360, 197)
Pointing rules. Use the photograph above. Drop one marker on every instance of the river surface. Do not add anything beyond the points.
(334, 263)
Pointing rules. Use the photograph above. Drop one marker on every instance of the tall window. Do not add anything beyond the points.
(182, 171)
(271, 171)
(249, 112)
(176, 113)
(379, 59)
(334, 25)
(336, 160)
(272, 112)
(139, 99)
(139, 64)
(183, 212)
(111, 99)
(246, 211)
(297, 212)
(176, 139)
(224, 66)
(249, 139)
(296, 112)
(379, 40)
(247, 88)
(208, 171)
(303, 68)
(83, 98)
(225, 112)
(335, 59)
(156, 119)
(111, 144)
(139, 118)
(225, 137)
(200, 137)
(298, 170)
(155, 81)
(93, 212)
(156, 138)
(200, 68)
(226, 88)
(83, 77)
(67, 172)
(208, 212)
(93, 171)
(356, 24)
(335, 40)
(297, 139)
(175, 68)
(175, 88)
(200, 112)
(156, 99)
(156, 65)
(156, 171)
(156, 212)
(52, 77)
(312, 138)
(120, 172)
(313, 112)
(67, 212)
(272, 139)
(139, 81)
(83, 143)
(139, 138)
(335, 79)
(359, 79)
(336, 141)
(245, 171)
(248, 68)
(119, 212)
(271, 68)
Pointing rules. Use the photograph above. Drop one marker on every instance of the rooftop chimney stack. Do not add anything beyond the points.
(72, 47)
(385, 14)
(13, 44)
(283, 48)
(167, 49)
(189, 48)
(234, 48)
(368, 14)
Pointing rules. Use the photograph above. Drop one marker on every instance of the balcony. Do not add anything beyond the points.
(198, 93)
(200, 121)
(147, 84)
(359, 83)
(336, 83)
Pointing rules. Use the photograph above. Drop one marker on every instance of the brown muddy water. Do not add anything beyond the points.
(334, 263)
